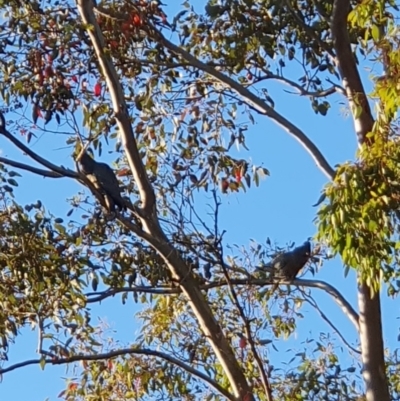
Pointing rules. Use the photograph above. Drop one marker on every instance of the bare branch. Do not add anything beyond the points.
(247, 326)
(121, 352)
(62, 171)
(264, 378)
(35, 170)
(303, 92)
(252, 100)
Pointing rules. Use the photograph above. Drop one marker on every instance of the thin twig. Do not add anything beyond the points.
(246, 322)
(312, 302)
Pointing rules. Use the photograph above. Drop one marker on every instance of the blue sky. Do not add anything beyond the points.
(280, 208)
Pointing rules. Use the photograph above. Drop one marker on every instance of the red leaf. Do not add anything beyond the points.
(124, 172)
(248, 397)
(36, 113)
(238, 175)
(242, 342)
(48, 71)
(163, 17)
(224, 186)
(136, 20)
(97, 89)
(114, 44)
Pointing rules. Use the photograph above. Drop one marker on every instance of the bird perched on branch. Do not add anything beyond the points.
(104, 180)
(287, 265)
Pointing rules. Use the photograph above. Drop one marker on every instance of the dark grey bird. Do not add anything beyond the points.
(287, 265)
(104, 180)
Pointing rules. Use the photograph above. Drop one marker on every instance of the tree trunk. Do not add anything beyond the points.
(372, 348)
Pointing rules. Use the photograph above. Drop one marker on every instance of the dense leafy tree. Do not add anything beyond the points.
(165, 94)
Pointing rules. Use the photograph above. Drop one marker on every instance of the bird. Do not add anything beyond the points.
(287, 265)
(104, 180)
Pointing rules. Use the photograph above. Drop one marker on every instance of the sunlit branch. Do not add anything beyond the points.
(303, 92)
(312, 302)
(122, 352)
(252, 100)
(40, 335)
(335, 294)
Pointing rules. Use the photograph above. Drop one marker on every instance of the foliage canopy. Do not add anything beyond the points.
(170, 97)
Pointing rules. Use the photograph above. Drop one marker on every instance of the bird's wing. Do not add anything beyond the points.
(280, 261)
(108, 178)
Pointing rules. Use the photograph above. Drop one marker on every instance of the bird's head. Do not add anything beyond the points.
(306, 247)
(85, 158)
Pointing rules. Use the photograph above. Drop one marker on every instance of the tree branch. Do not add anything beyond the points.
(303, 92)
(251, 99)
(121, 352)
(55, 171)
(235, 299)
(322, 285)
(35, 170)
(336, 295)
